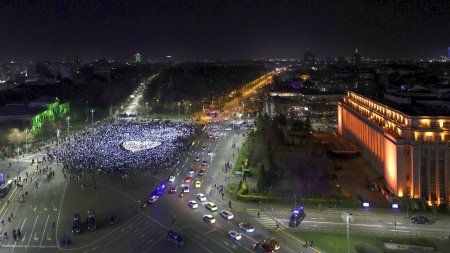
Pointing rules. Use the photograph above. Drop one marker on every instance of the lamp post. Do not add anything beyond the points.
(68, 125)
(295, 202)
(347, 218)
(26, 140)
(92, 116)
(57, 136)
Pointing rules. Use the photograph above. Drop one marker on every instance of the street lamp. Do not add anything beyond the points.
(26, 140)
(68, 124)
(347, 218)
(295, 202)
(92, 116)
(57, 136)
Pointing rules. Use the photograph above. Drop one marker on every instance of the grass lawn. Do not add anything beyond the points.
(332, 243)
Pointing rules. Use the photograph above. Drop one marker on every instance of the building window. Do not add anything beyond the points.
(423, 174)
(441, 171)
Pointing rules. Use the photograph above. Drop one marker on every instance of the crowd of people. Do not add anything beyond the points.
(124, 146)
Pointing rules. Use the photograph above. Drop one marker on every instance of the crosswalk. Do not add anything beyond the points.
(264, 219)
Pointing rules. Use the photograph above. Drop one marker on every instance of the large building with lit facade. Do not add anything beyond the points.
(410, 147)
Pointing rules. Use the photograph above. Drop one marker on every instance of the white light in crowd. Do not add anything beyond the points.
(395, 206)
(366, 204)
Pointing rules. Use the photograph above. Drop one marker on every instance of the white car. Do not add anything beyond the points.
(185, 189)
(201, 197)
(247, 227)
(172, 179)
(226, 214)
(234, 235)
(208, 218)
(227, 129)
(192, 204)
(153, 199)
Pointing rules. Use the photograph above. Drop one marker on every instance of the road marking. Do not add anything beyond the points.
(45, 208)
(212, 230)
(200, 238)
(49, 238)
(32, 232)
(25, 246)
(45, 227)
(34, 210)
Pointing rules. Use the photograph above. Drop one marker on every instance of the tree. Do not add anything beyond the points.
(262, 182)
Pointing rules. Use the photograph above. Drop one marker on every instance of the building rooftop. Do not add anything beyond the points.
(414, 104)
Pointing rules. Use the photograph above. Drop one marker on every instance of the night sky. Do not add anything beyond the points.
(221, 30)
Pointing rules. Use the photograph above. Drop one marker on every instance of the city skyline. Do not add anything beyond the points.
(216, 30)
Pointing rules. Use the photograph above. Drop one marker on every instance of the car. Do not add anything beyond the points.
(112, 220)
(153, 199)
(296, 217)
(247, 227)
(234, 235)
(204, 163)
(91, 221)
(201, 197)
(197, 159)
(208, 218)
(76, 224)
(209, 152)
(192, 204)
(191, 172)
(187, 179)
(203, 148)
(272, 243)
(211, 206)
(175, 237)
(198, 183)
(226, 214)
(185, 189)
(173, 189)
(420, 220)
(216, 136)
(228, 129)
(171, 179)
(263, 248)
(201, 172)
(160, 190)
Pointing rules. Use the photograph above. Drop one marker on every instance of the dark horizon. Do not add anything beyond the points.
(217, 30)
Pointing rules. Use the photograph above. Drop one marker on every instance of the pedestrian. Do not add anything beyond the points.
(258, 214)
(36, 184)
(6, 235)
(3, 222)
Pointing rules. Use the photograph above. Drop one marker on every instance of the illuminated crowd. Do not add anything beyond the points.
(124, 146)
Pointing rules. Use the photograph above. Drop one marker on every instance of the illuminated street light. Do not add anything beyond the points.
(26, 140)
(347, 218)
(92, 116)
(57, 136)
(68, 124)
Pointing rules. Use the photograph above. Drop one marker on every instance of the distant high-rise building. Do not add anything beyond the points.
(356, 58)
(448, 51)
(137, 58)
(309, 58)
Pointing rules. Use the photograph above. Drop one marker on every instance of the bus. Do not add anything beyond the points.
(4, 188)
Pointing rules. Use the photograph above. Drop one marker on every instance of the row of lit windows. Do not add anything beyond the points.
(400, 118)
